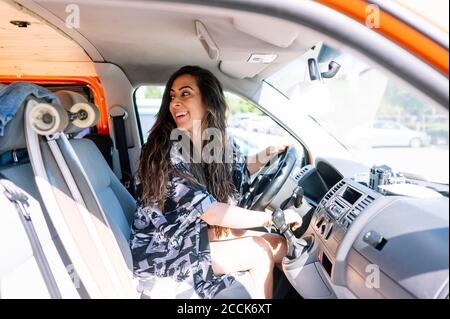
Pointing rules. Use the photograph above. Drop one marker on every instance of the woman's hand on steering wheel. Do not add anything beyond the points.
(270, 151)
(276, 149)
(270, 179)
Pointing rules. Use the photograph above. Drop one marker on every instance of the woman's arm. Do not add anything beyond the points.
(255, 162)
(225, 215)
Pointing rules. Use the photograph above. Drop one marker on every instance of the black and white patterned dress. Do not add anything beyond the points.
(174, 243)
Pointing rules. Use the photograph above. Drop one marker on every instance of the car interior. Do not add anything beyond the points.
(67, 193)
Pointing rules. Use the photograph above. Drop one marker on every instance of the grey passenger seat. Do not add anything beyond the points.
(20, 273)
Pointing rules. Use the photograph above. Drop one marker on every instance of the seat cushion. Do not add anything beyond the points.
(20, 276)
(239, 289)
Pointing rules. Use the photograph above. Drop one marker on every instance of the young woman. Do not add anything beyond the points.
(187, 225)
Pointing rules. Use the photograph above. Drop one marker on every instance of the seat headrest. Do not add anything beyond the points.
(14, 98)
(14, 137)
(69, 98)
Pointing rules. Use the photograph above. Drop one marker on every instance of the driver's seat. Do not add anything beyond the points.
(119, 205)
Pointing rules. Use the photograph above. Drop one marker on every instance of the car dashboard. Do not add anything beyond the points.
(364, 244)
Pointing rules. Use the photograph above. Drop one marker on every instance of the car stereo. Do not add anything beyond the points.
(350, 195)
(342, 202)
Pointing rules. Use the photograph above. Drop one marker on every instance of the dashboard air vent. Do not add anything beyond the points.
(332, 191)
(351, 216)
(301, 172)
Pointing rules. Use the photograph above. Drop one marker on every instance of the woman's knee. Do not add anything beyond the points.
(275, 241)
(278, 245)
(263, 252)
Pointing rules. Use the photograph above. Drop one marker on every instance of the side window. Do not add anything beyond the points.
(148, 101)
(251, 129)
(378, 125)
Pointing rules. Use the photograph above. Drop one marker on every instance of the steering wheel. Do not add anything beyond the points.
(270, 179)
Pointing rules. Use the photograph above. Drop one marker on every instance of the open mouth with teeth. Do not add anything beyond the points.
(181, 116)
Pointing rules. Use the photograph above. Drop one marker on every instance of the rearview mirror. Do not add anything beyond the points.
(333, 69)
(315, 74)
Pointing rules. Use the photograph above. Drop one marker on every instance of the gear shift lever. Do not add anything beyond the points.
(298, 196)
(296, 246)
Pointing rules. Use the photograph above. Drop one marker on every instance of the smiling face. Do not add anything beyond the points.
(186, 102)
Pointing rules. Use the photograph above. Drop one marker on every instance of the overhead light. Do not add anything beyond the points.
(262, 58)
(20, 24)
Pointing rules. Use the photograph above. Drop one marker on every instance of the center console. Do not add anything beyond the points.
(338, 210)
(332, 219)
(366, 235)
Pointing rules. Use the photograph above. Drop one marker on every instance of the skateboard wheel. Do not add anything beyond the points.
(90, 116)
(47, 119)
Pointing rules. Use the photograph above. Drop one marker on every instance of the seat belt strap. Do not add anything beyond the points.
(122, 148)
(20, 201)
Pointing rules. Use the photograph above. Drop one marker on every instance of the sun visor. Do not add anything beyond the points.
(240, 70)
(243, 48)
(279, 33)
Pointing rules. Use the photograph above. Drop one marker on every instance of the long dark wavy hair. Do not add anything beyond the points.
(154, 163)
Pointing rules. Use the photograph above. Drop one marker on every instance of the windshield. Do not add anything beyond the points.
(378, 119)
